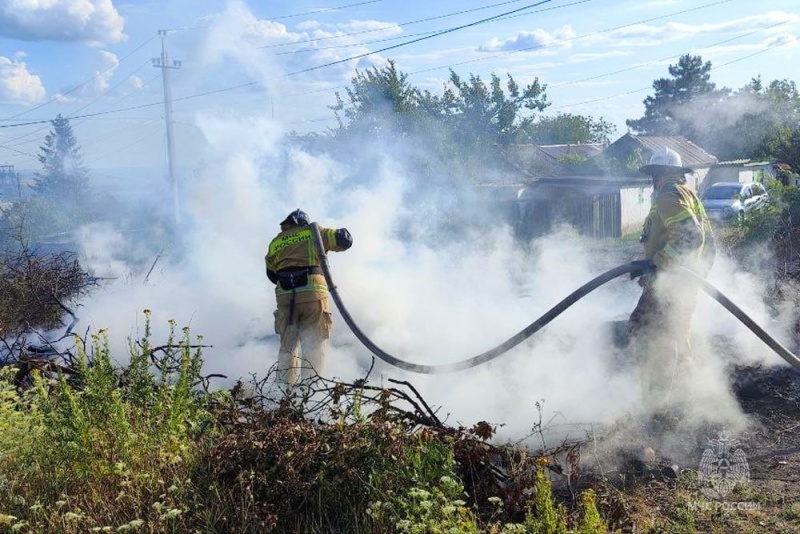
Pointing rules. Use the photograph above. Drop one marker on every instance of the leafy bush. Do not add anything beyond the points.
(108, 449)
(138, 447)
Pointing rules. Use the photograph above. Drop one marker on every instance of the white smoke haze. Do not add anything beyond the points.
(437, 297)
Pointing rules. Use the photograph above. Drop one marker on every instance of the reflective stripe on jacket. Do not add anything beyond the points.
(295, 248)
(677, 229)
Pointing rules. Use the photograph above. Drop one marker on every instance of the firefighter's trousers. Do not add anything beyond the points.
(660, 331)
(304, 340)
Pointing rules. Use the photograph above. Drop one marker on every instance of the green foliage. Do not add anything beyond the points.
(63, 174)
(63, 198)
(106, 450)
(690, 79)
(35, 218)
(545, 516)
(775, 223)
(491, 114)
(433, 509)
(591, 522)
(135, 448)
(756, 122)
(567, 128)
(468, 121)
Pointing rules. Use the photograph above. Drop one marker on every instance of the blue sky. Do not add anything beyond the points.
(598, 57)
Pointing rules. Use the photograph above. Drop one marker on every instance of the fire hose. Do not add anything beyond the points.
(539, 323)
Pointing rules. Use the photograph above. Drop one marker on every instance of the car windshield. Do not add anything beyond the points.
(720, 193)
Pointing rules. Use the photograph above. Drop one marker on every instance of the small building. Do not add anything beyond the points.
(597, 206)
(742, 171)
(607, 196)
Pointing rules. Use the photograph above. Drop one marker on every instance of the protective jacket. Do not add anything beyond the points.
(677, 229)
(293, 264)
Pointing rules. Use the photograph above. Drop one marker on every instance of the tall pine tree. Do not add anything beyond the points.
(690, 79)
(63, 175)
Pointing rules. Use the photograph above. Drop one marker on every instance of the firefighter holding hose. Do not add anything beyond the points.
(303, 317)
(676, 232)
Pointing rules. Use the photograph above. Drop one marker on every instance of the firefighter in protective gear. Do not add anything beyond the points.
(676, 232)
(303, 318)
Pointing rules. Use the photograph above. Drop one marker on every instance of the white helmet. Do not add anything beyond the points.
(665, 159)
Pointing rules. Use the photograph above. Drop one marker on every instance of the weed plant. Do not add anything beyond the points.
(140, 447)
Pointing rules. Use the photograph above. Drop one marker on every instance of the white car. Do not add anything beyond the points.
(727, 200)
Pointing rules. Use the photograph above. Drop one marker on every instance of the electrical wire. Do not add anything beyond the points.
(570, 39)
(98, 97)
(668, 58)
(83, 84)
(437, 34)
(324, 10)
(252, 83)
(647, 88)
(408, 23)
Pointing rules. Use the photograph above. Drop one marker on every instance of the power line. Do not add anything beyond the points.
(248, 84)
(361, 43)
(252, 83)
(635, 67)
(390, 26)
(641, 89)
(84, 84)
(350, 45)
(437, 34)
(656, 61)
(323, 10)
(279, 17)
(72, 116)
(578, 37)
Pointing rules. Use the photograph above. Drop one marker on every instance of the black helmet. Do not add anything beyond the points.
(297, 218)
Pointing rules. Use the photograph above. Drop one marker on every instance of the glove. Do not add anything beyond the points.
(642, 267)
(343, 238)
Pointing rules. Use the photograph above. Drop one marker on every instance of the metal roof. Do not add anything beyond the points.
(559, 151)
(692, 156)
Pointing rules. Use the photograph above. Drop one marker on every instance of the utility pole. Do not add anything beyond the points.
(164, 64)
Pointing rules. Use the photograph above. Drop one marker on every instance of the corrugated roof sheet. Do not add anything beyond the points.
(559, 151)
(535, 161)
(692, 155)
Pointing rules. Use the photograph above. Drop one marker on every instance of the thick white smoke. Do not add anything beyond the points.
(427, 301)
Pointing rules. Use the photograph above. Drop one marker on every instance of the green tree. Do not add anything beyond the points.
(63, 200)
(690, 79)
(381, 103)
(63, 174)
(781, 109)
(491, 114)
(568, 128)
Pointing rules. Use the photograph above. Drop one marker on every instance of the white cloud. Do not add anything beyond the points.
(654, 35)
(560, 38)
(379, 28)
(99, 84)
(308, 25)
(90, 21)
(784, 39)
(17, 84)
(136, 83)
